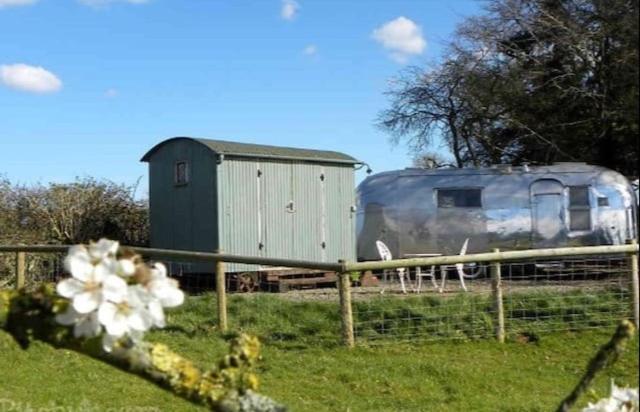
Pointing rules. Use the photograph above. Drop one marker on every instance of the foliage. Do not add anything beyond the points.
(72, 213)
(529, 81)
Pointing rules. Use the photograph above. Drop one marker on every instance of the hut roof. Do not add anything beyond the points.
(248, 150)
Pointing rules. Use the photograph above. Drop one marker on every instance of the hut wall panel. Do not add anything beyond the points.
(340, 221)
(239, 220)
(307, 234)
(183, 217)
(276, 188)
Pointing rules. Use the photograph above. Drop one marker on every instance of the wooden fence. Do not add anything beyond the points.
(344, 269)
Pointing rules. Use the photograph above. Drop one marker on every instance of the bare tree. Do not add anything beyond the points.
(530, 80)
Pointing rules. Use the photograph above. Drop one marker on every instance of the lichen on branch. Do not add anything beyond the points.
(228, 386)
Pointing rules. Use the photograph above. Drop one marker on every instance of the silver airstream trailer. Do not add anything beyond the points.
(434, 210)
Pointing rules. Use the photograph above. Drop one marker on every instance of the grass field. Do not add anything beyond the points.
(305, 368)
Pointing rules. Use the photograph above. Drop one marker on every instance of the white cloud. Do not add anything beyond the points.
(111, 93)
(27, 78)
(102, 3)
(310, 50)
(289, 9)
(9, 3)
(402, 37)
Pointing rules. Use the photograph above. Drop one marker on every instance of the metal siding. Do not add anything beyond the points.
(239, 205)
(276, 188)
(340, 220)
(307, 220)
(181, 216)
(228, 204)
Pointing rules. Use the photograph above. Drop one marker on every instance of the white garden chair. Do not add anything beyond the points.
(385, 254)
(460, 269)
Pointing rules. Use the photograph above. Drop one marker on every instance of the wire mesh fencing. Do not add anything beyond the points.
(519, 299)
(38, 268)
(536, 296)
(280, 305)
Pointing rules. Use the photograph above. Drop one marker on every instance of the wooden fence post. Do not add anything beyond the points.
(496, 283)
(633, 263)
(346, 311)
(20, 269)
(221, 294)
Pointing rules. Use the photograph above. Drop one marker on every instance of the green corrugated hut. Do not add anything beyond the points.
(253, 200)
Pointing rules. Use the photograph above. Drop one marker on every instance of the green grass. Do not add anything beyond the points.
(305, 367)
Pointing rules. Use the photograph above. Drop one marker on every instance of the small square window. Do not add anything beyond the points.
(603, 201)
(181, 173)
(580, 219)
(579, 196)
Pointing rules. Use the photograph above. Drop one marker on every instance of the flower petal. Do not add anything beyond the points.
(157, 313)
(88, 326)
(139, 320)
(174, 298)
(126, 267)
(103, 248)
(159, 270)
(69, 287)
(118, 326)
(114, 288)
(86, 302)
(109, 342)
(69, 317)
(107, 312)
(78, 263)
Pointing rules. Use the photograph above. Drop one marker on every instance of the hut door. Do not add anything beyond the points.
(547, 204)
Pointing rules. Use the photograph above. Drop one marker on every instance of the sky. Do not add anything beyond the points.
(88, 86)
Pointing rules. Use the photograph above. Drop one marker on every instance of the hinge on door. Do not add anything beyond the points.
(259, 172)
(260, 246)
(322, 177)
(324, 245)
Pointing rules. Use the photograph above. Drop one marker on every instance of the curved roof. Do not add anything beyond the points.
(249, 150)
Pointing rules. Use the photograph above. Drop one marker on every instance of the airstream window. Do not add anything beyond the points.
(181, 173)
(579, 208)
(603, 201)
(459, 198)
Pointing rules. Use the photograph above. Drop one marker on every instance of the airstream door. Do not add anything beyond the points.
(547, 207)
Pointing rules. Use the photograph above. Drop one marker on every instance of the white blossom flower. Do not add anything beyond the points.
(130, 314)
(163, 288)
(105, 293)
(621, 400)
(93, 276)
(161, 292)
(84, 324)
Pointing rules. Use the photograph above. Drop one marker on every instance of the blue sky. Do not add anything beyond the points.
(87, 86)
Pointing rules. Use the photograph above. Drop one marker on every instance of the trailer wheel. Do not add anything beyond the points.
(248, 282)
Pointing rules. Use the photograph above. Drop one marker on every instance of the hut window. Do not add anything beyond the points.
(603, 201)
(579, 208)
(181, 173)
(448, 198)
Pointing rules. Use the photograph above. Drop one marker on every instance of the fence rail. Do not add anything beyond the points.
(523, 290)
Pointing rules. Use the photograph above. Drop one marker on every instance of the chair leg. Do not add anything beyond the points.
(432, 275)
(461, 276)
(418, 279)
(401, 276)
(443, 273)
